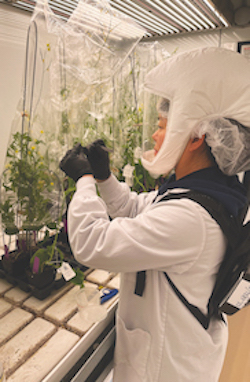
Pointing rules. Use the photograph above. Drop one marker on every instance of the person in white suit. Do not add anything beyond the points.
(203, 135)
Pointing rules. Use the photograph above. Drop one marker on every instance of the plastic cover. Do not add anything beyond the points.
(72, 70)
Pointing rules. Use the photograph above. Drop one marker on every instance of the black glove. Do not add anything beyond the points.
(75, 164)
(98, 156)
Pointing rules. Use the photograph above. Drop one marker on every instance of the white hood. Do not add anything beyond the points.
(199, 84)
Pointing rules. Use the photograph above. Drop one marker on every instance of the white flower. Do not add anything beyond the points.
(98, 116)
(127, 172)
(137, 154)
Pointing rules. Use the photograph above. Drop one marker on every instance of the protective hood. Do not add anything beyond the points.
(200, 84)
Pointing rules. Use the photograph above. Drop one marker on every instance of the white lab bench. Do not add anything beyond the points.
(47, 341)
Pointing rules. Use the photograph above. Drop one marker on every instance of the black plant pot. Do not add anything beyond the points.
(59, 281)
(41, 280)
(15, 263)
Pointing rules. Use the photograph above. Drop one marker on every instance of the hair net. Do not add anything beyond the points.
(163, 107)
(229, 142)
(200, 84)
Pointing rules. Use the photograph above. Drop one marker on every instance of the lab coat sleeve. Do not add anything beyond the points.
(164, 235)
(121, 201)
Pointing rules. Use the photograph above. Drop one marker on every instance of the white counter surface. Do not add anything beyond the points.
(40, 340)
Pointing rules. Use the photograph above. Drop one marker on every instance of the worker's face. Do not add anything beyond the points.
(159, 134)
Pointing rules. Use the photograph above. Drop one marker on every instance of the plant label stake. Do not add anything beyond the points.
(36, 265)
(6, 253)
(67, 272)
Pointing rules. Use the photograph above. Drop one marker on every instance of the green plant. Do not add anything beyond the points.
(139, 179)
(27, 186)
(143, 181)
(79, 278)
(51, 255)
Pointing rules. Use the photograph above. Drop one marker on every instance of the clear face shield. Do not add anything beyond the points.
(154, 130)
(150, 117)
(154, 126)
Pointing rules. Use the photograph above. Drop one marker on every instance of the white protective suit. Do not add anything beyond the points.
(158, 340)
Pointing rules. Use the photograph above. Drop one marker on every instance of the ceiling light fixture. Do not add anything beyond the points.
(170, 14)
(185, 13)
(202, 18)
(150, 15)
(143, 19)
(215, 11)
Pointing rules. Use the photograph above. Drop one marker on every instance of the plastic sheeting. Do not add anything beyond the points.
(70, 69)
(83, 80)
(67, 96)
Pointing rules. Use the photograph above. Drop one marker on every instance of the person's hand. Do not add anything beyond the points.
(75, 164)
(98, 156)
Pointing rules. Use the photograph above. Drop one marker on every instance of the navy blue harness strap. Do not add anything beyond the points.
(229, 227)
(203, 320)
(218, 212)
(140, 283)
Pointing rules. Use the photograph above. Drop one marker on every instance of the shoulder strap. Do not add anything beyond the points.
(230, 228)
(227, 222)
(196, 312)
